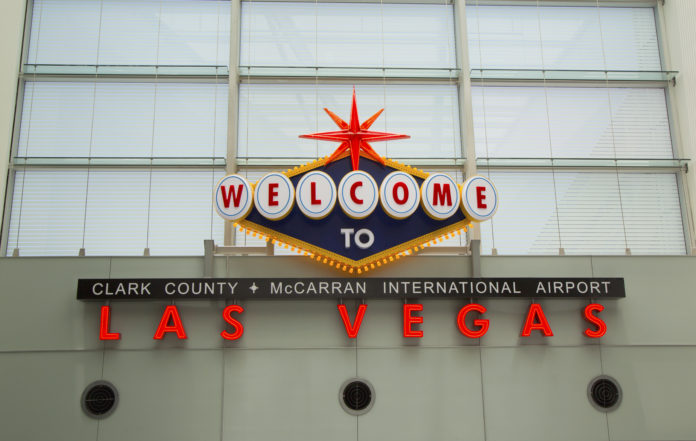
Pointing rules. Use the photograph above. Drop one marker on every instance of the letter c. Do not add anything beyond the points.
(353, 196)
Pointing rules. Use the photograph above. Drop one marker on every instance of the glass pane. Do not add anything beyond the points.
(48, 212)
(526, 221)
(514, 123)
(48, 209)
(347, 35)
(56, 119)
(117, 210)
(130, 32)
(64, 32)
(652, 213)
(510, 122)
(574, 38)
(181, 215)
(190, 120)
(591, 216)
(272, 116)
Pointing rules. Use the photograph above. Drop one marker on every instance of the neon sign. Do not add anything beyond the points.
(535, 321)
(388, 210)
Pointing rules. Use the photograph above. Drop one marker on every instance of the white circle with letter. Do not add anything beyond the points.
(316, 195)
(479, 198)
(358, 194)
(274, 196)
(399, 195)
(234, 197)
(439, 196)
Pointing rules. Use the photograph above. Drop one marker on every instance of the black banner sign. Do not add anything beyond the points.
(346, 288)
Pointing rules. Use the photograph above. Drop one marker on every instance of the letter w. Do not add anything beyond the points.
(231, 194)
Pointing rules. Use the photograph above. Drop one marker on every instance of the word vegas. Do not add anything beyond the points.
(535, 320)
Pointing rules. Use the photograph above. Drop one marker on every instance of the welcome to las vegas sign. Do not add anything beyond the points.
(297, 209)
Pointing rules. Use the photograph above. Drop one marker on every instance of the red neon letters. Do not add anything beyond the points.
(535, 320)
(410, 320)
(104, 333)
(227, 316)
(352, 330)
(170, 314)
(598, 322)
(481, 324)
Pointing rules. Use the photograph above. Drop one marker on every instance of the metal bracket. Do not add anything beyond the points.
(475, 258)
(208, 249)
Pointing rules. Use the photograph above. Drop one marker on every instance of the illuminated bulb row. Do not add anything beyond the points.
(349, 268)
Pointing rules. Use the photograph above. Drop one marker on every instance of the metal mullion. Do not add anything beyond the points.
(286, 163)
(606, 169)
(146, 163)
(605, 3)
(14, 142)
(233, 82)
(124, 78)
(673, 120)
(341, 80)
(571, 83)
(405, 2)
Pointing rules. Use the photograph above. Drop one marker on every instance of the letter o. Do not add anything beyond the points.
(399, 195)
(370, 238)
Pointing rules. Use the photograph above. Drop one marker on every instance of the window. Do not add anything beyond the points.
(123, 128)
(125, 107)
(580, 150)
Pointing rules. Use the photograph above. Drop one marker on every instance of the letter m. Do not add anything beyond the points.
(231, 194)
(441, 192)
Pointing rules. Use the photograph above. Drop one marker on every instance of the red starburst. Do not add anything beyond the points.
(354, 136)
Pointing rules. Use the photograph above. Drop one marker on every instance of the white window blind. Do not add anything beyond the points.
(130, 32)
(586, 215)
(49, 212)
(272, 116)
(579, 122)
(562, 37)
(62, 119)
(347, 35)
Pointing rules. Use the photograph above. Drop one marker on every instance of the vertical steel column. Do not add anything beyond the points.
(233, 102)
(466, 119)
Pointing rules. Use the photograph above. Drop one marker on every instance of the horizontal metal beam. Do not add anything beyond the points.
(656, 165)
(241, 251)
(25, 162)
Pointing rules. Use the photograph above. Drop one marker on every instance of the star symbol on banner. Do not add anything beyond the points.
(354, 136)
(253, 288)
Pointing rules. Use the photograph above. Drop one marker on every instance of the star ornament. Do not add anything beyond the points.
(354, 136)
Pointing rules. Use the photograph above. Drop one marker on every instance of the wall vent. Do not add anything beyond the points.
(604, 393)
(356, 396)
(99, 399)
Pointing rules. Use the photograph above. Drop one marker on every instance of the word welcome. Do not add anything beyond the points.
(358, 195)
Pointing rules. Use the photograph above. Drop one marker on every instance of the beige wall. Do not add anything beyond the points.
(11, 27)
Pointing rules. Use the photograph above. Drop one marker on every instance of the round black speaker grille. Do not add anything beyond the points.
(356, 396)
(99, 399)
(604, 393)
